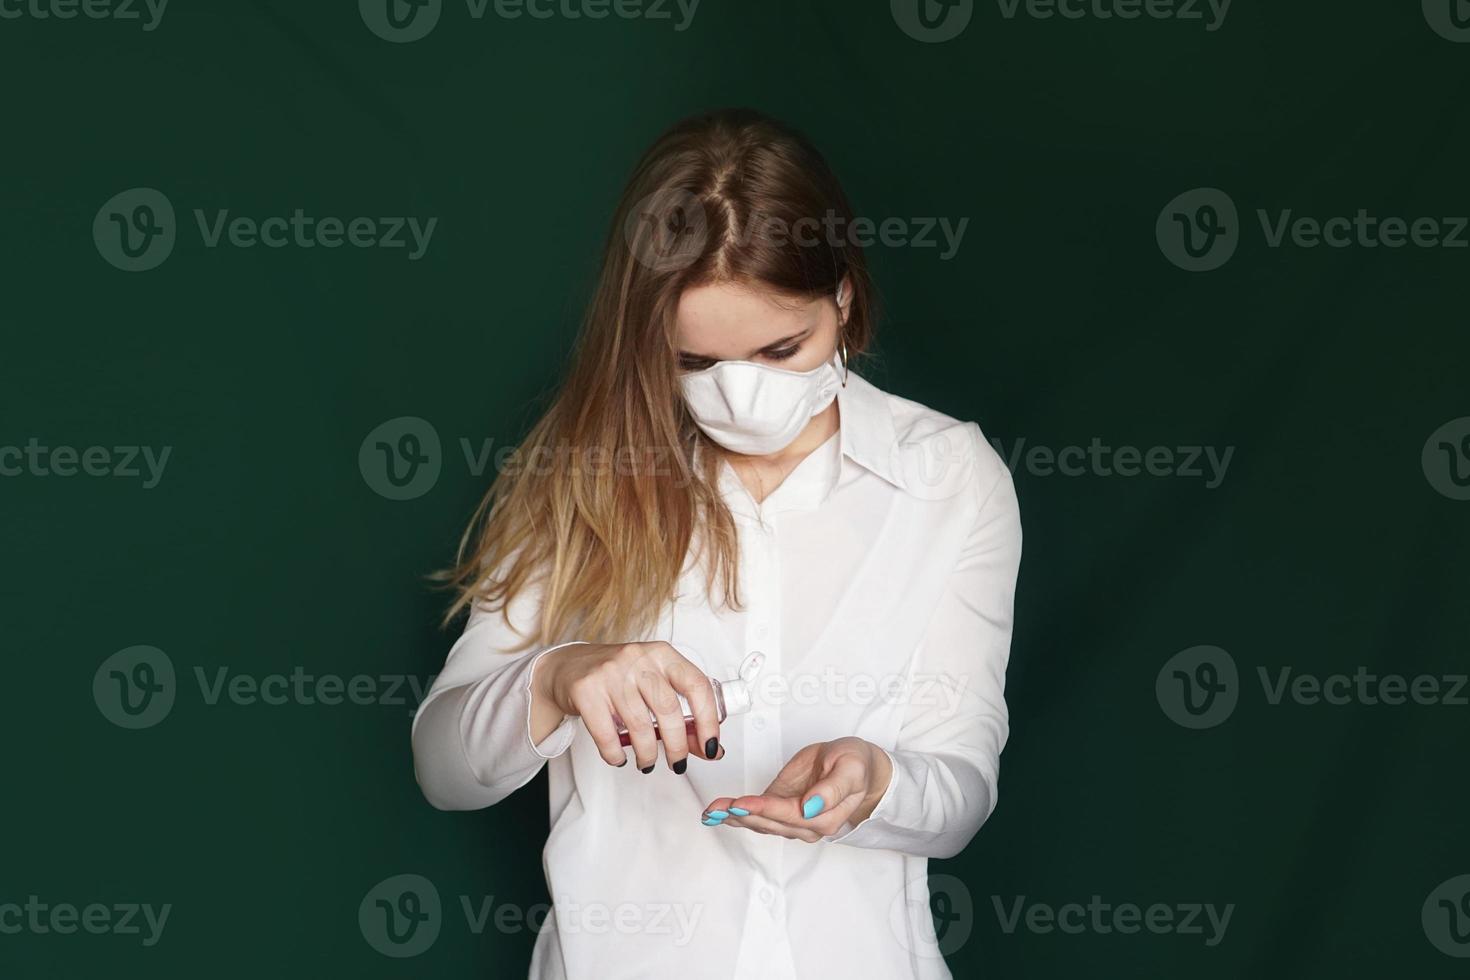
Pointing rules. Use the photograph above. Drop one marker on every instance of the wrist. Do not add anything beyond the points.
(543, 678)
(880, 776)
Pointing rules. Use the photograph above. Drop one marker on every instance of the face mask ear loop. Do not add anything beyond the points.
(841, 341)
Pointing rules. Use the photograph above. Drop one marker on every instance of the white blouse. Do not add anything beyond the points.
(878, 581)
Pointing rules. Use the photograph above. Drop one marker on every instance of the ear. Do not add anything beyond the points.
(844, 300)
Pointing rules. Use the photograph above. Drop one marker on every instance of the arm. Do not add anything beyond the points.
(930, 794)
(946, 766)
(478, 737)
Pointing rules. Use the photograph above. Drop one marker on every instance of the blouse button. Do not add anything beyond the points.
(759, 724)
(767, 895)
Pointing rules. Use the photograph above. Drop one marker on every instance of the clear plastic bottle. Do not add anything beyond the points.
(731, 698)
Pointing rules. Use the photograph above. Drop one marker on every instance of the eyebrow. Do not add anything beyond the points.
(773, 345)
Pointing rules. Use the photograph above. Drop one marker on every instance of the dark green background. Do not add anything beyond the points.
(263, 549)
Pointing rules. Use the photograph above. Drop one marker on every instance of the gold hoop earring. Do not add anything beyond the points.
(842, 348)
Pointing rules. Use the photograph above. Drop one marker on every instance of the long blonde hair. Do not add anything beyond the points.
(609, 497)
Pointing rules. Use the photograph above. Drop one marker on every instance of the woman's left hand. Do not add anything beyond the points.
(824, 786)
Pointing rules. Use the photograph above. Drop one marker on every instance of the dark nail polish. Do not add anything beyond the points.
(647, 769)
(680, 766)
(711, 748)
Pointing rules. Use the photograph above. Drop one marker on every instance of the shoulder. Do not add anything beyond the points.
(941, 456)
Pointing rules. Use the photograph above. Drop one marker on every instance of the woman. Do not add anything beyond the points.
(714, 489)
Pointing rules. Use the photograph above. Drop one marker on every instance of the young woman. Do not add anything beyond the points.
(714, 493)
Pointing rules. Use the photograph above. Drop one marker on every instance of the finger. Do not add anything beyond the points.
(787, 812)
(717, 812)
(775, 828)
(846, 777)
(691, 682)
(597, 718)
(659, 695)
(634, 714)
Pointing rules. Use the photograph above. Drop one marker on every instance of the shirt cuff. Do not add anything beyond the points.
(561, 737)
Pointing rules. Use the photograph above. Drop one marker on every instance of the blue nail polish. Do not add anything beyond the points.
(812, 807)
(717, 814)
(739, 812)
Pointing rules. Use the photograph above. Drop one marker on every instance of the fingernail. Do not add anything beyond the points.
(621, 764)
(648, 768)
(739, 812)
(716, 815)
(711, 748)
(812, 807)
(680, 766)
(711, 823)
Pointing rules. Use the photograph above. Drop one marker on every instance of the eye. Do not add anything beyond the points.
(783, 353)
(690, 363)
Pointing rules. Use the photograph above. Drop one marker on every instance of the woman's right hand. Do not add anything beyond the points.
(597, 681)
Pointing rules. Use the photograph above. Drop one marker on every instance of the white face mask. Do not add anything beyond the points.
(755, 409)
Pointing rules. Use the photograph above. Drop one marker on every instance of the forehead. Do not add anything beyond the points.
(730, 320)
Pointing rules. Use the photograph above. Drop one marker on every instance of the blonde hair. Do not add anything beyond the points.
(611, 497)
